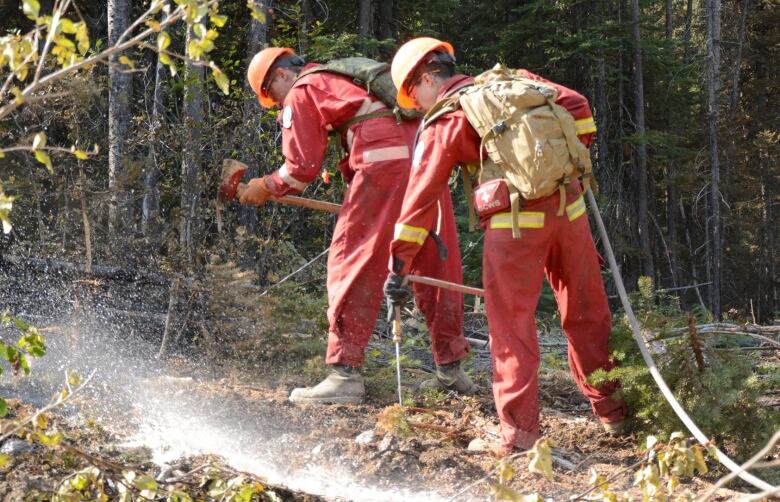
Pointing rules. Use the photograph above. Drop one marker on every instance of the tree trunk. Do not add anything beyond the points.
(307, 16)
(641, 149)
(669, 19)
(120, 214)
(250, 146)
(385, 28)
(364, 23)
(713, 71)
(193, 121)
(151, 205)
(602, 118)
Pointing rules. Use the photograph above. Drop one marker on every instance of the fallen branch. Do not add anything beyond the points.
(58, 400)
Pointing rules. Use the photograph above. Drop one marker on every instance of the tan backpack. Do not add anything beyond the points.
(532, 140)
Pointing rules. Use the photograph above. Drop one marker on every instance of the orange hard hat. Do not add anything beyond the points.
(406, 60)
(258, 70)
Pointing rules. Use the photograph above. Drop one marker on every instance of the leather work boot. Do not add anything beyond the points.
(450, 377)
(344, 385)
(619, 428)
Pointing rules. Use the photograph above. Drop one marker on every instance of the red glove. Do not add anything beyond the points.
(254, 193)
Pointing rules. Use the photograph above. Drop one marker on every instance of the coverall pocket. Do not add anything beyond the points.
(381, 142)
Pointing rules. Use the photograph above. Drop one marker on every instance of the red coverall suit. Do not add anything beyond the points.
(560, 247)
(377, 170)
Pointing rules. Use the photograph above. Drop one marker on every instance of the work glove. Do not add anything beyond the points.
(396, 291)
(254, 193)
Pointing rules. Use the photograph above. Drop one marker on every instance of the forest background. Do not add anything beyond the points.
(686, 154)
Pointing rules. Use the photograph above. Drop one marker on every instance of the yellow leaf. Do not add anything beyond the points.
(31, 8)
(2, 154)
(68, 26)
(39, 141)
(219, 21)
(199, 30)
(154, 25)
(49, 439)
(126, 61)
(4, 459)
(163, 40)
(41, 422)
(222, 81)
(82, 37)
(211, 35)
(19, 96)
(44, 159)
(701, 464)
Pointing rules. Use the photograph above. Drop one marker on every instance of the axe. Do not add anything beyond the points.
(230, 185)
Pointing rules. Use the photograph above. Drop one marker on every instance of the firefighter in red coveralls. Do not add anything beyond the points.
(377, 170)
(558, 247)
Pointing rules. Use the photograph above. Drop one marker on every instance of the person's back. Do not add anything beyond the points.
(554, 242)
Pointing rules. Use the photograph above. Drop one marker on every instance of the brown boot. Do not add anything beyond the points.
(619, 428)
(344, 385)
(450, 377)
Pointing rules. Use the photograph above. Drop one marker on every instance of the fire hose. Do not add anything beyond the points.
(230, 181)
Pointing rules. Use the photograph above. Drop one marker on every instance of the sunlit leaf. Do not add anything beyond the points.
(44, 159)
(39, 141)
(145, 482)
(541, 458)
(82, 37)
(31, 8)
(154, 25)
(68, 26)
(126, 61)
(4, 457)
(49, 440)
(3, 407)
(79, 154)
(222, 81)
(163, 40)
(219, 21)
(74, 379)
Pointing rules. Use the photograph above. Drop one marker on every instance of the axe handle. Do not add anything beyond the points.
(292, 200)
(460, 288)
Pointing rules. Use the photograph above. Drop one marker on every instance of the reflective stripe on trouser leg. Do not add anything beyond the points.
(574, 273)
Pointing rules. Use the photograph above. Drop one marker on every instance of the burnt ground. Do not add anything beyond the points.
(228, 407)
(251, 427)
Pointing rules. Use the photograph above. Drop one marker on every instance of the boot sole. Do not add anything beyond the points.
(327, 400)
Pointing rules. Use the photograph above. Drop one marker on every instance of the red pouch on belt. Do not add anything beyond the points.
(491, 197)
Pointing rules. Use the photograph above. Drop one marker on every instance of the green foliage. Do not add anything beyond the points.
(722, 397)
(30, 344)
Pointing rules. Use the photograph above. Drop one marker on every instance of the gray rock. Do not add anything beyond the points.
(16, 447)
(387, 443)
(366, 437)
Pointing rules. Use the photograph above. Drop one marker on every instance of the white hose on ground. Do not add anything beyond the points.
(636, 330)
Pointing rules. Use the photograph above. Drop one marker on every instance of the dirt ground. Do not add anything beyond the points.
(429, 458)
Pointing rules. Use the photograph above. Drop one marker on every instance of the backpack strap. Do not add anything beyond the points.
(468, 189)
(571, 143)
(360, 118)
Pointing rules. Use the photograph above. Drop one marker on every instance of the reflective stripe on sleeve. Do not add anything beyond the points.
(576, 209)
(525, 219)
(410, 234)
(585, 126)
(389, 153)
(288, 178)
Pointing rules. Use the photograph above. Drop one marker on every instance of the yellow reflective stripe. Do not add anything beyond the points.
(410, 234)
(585, 126)
(525, 219)
(576, 209)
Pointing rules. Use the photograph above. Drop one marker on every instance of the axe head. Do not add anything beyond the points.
(232, 172)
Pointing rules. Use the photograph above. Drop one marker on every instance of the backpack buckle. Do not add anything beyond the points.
(499, 128)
